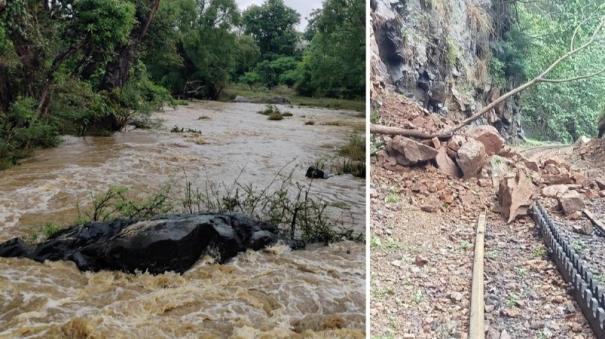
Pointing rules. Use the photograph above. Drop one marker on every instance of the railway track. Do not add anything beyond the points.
(589, 295)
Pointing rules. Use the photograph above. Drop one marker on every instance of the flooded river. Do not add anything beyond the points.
(317, 292)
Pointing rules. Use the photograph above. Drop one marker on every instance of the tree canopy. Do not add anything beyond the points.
(545, 29)
(272, 25)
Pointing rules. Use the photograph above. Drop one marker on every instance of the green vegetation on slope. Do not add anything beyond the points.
(555, 111)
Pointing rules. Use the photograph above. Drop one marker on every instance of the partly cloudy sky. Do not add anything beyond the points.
(303, 7)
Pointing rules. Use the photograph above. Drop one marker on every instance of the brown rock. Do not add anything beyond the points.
(571, 202)
(456, 142)
(510, 312)
(420, 261)
(532, 165)
(431, 206)
(584, 228)
(505, 335)
(489, 137)
(409, 152)
(446, 165)
(602, 194)
(600, 183)
(556, 174)
(436, 143)
(554, 191)
(579, 178)
(471, 157)
(484, 182)
(563, 165)
(447, 197)
(514, 195)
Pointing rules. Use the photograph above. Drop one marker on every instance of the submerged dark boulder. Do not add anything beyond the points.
(170, 243)
(315, 173)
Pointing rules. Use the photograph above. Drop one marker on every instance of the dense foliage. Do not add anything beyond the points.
(333, 62)
(333, 65)
(556, 111)
(91, 66)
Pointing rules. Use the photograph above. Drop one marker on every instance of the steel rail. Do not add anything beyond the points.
(586, 290)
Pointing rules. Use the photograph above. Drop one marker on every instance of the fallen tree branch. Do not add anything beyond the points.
(412, 133)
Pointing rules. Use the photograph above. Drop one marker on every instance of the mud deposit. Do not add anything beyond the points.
(317, 292)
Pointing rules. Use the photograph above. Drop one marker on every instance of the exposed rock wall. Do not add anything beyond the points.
(438, 53)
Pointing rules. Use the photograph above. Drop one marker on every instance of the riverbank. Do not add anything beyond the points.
(264, 95)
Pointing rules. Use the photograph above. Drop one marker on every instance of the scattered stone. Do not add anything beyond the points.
(571, 202)
(447, 197)
(315, 173)
(577, 215)
(600, 183)
(429, 208)
(514, 195)
(446, 165)
(505, 335)
(511, 312)
(456, 142)
(489, 137)
(471, 158)
(409, 152)
(554, 191)
(484, 182)
(584, 228)
(420, 261)
(532, 165)
(456, 296)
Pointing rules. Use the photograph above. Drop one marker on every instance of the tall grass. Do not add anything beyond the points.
(292, 206)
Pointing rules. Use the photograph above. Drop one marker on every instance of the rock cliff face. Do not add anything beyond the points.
(438, 53)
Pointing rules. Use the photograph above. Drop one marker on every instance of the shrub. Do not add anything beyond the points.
(271, 71)
(355, 149)
(250, 78)
(275, 116)
(287, 204)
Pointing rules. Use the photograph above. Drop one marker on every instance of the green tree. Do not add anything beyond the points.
(334, 63)
(272, 25)
(198, 57)
(561, 111)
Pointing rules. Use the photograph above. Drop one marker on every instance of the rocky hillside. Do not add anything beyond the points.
(438, 53)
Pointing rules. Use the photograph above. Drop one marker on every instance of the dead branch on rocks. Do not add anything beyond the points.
(446, 134)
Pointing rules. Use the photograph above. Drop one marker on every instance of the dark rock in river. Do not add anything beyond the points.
(170, 243)
(315, 173)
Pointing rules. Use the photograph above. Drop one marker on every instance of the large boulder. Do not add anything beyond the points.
(514, 195)
(172, 243)
(571, 202)
(409, 152)
(471, 157)
(489, 137)
(446, 165)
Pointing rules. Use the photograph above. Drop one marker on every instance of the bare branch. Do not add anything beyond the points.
(582, 77)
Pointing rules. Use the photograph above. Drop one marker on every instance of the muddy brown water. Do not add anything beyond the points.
(317, 292)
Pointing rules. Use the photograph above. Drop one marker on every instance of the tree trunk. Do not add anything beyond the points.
(5, 90)
(116, 74)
